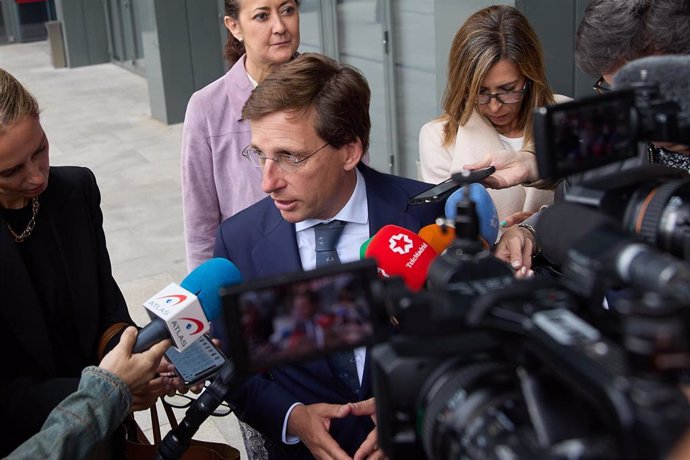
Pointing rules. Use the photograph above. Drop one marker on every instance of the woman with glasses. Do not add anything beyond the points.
(216, 181)
(496, 78)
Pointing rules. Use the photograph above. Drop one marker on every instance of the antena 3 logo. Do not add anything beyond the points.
(400, 243)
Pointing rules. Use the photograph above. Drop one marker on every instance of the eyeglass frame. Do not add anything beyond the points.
(497, 96)
(294, 162)
(599, 88)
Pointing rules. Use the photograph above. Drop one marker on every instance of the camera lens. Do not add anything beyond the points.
(474, 411)
(660, 213)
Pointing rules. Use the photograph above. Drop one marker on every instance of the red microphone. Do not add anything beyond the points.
(401, 252)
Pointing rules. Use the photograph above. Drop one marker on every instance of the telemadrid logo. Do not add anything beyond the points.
(400, 243)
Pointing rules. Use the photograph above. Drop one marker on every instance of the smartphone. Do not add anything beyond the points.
(441, 191)
(197, 362)
(300, 316)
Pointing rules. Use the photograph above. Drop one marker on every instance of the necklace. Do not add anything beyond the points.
(30, 226)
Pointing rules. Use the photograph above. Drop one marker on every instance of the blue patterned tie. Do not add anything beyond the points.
(326, 238)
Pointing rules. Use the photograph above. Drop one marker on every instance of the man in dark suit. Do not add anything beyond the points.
(310, 129)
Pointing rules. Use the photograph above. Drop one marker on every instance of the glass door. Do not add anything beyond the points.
(362, 41)
(124, 34)
(310, 26)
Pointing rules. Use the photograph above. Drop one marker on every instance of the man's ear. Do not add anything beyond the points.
(353, 154)
(233, 25)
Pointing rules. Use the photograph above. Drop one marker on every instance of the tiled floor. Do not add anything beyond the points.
(99, 117)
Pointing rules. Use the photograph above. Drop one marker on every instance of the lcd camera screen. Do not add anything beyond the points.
(303, 316)
(580, 135)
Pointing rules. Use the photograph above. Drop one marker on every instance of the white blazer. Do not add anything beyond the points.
(473, 142)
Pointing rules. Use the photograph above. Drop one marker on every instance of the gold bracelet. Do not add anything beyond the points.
(534, 234)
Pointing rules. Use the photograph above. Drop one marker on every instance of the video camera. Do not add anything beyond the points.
(487, 367)
(599, 138)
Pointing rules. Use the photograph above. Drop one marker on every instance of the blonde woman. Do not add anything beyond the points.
(496, 78)
(59, 298)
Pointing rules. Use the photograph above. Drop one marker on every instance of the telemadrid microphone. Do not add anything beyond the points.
(485, 207)
(182, 312)
(401, 252)
(590, 248)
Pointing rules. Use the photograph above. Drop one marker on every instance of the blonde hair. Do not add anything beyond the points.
(488, 36)
(16, 102)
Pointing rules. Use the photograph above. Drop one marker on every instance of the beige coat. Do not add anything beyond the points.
(473, 142)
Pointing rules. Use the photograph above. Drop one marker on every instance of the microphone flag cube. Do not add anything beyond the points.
(182, 313)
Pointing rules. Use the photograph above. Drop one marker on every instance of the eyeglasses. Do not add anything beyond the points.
(180, 401)
(285, 161)
(508, 97)
(601, 87)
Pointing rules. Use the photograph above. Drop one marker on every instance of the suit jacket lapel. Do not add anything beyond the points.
(386, 203)
(277, 252)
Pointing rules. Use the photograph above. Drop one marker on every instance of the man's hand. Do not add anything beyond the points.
(310, 423)
(516, 246)
(512, 168)
(370, 447)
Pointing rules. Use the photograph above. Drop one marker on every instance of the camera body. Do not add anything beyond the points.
(597, 136)
(522, 373)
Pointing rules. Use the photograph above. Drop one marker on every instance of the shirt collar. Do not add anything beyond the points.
(355, 210)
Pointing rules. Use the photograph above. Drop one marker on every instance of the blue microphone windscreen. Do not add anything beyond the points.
(486, 210)
(206, 280)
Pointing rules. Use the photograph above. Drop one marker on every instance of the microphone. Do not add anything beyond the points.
(182, 312)
(363, 249)
(401, 252)
(439, 235)
(591, 248)
(485, 207)
(670, 72)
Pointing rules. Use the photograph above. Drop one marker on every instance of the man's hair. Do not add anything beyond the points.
(337, 93)
(16, 102)
(613, 32)
(234, 49)
(490, 35)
